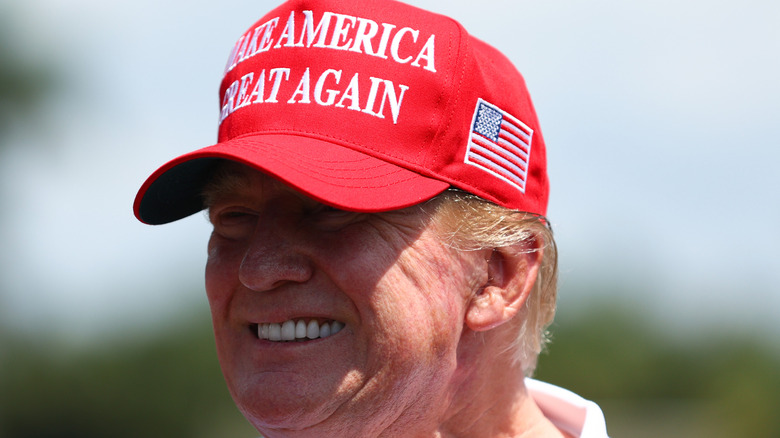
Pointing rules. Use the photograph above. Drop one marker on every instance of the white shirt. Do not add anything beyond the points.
(568, 411)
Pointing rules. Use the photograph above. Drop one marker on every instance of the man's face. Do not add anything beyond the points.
(396, 292)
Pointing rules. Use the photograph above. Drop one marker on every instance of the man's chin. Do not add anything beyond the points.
(281, 417)
(286, 403)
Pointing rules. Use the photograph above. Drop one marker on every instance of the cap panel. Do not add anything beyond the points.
(414, 101)
(381, 96)
(515, 173)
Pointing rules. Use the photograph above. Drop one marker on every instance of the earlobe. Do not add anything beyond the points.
(511, 276)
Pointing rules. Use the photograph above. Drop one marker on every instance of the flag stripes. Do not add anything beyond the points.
(499, 144)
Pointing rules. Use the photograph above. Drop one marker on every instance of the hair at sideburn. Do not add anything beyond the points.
(476, 224)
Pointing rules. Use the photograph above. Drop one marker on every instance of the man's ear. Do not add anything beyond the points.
(511, 275)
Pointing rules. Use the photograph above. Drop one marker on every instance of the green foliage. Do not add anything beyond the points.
(24, 82)
(706, 384)
(167, 386)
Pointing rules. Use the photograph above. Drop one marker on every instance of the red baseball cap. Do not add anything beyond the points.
(366, 105)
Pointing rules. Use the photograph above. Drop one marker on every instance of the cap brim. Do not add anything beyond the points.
(330, 173)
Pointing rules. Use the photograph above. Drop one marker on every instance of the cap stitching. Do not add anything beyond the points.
(274, 155)
(345, 141)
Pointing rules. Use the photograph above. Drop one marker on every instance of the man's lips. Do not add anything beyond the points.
(297, 330)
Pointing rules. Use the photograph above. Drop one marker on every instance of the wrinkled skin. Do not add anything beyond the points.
(405, 353)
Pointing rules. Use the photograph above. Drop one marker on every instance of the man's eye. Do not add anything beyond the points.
(229, 216)
(234, 215)
(332, 218)
(234, 224)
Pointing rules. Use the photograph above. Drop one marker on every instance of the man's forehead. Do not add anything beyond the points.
(232, 179)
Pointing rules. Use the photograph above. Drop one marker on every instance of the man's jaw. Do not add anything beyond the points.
(299, 329)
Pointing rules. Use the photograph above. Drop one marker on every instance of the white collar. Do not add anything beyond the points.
(567, 410)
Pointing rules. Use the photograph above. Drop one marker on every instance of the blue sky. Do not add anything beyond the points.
(661, 120)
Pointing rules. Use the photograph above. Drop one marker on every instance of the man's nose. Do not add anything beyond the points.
(276, 256)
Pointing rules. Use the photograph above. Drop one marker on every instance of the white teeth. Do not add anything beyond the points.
(325, 330)
(288, 331)
(313, 330)
(274, 332)
(298, 329)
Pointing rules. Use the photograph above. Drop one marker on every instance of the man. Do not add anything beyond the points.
(380, 263)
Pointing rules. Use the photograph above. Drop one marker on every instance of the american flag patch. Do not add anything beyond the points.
(499, 144)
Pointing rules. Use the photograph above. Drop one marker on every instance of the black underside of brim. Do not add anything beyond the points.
(177, 193)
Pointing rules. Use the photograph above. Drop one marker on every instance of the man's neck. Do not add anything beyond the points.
(491, 400)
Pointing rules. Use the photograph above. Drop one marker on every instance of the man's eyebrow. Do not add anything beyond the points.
(225, 179)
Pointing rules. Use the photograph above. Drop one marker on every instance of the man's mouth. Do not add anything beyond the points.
(297, 330)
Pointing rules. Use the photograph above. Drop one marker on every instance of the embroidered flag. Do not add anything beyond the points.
(499, 144)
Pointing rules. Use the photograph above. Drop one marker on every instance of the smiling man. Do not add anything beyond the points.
(380, 264)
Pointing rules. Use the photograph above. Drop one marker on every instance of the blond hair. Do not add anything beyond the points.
(474, 224)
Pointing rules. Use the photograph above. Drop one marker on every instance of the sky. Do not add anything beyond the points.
(660, 118)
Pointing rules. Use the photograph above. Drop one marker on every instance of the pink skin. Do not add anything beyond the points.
(401, 292)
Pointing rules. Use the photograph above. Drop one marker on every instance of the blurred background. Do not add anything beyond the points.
(661, 120)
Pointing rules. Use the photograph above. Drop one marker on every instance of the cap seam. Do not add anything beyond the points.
(314, 170)
(449, 82)
(455, 98)
(316, 135)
